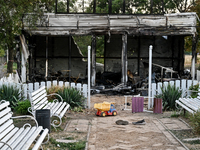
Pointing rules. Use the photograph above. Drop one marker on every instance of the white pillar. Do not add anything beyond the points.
(89, 48)
(23, 68)
(150, 72)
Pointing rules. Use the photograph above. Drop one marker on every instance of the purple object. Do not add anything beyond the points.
(157, 108)
(137, 104)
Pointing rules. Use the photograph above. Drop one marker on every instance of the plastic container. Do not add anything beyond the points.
(137, 104)
(157, 108)
(43, 118)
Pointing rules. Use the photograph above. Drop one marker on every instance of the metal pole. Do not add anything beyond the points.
(89, 48)
(150, 70)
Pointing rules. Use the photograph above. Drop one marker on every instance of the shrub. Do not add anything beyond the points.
(12, 94)
(72, 96)
(195, 121)
(53, 89)
(22, 107)
(169, 95)
(194, 88)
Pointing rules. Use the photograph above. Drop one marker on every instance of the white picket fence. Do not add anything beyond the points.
(183, 85)
(26, 88)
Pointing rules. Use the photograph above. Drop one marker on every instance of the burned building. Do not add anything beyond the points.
(126, 44)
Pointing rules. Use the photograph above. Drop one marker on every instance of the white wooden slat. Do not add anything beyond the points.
(57, 107)
(159, 88)
(79, 86)
(195, 82)
(39, 98)
(61, 108)
(63, 112)
(8, 136)
(153, 89)
(20, 137)
(183, 85)
(54, 106)
(178, 84)
(4, 104)
(5, 118)
(42, 84)
(36, 85)
(25, 87)
(6, 131)
(60, 83)
(40, 140)
(73, 85)
(44, 100)
(48, 84)
(38, 91)
(55, 82)
(36, 107)
(33, 136)
(30, 87)
(189, 83)
(171, 83)
(67, 84)
(85, 90)
(165, 84)
(182, 105)
(5, 125)
(13, 138)
(26, 138)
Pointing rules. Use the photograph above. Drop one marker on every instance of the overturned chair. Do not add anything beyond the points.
(38, 100)
(15, 138)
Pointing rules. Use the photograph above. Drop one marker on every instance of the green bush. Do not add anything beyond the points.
(169, 95)
(72, 97)
(22, 107)
(194, 88)
(12, 94)
(195, 121)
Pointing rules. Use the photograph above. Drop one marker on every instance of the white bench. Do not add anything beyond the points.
(38, 99)
(192, 105)
(14, 138)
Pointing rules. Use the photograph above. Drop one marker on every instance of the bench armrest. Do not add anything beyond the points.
(185, 93)
(57, 95)
(26, 116)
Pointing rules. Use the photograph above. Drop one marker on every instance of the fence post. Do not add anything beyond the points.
(42, 84)
(60, 83)
(48, 84)
(55, 83)
(36, 85)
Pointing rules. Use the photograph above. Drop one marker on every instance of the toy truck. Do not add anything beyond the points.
(105, 109)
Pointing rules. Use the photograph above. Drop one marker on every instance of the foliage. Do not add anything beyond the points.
(22, 107)
(71, 146)
(13, 18)
(78, 109)
(195, 121)
(175, 115)
(169, 95)
(72, 97)
(12, 94)
(194, 88)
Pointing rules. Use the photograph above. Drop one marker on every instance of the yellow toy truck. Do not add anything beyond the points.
(105, 109)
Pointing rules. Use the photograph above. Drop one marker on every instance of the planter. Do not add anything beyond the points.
(157, 108)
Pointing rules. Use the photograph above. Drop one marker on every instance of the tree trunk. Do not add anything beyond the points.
(10, 60)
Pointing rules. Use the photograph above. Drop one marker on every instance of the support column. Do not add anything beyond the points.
(124, 59)
(47, 47)
(70, 59)
(93, 59)
(194, 43)
(23, 68)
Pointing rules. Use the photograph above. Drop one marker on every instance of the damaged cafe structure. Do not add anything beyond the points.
(53, 52)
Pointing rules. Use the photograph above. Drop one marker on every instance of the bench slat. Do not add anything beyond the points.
(20, 137)
(42, 101)
(189, 103)
(182, 105)
(61, 108)
(57, 107)
(5, 125)
(37, 91)
(64, 111)
(5, 111)
(38, 95)
(8, 136)
(13, 139)
(39, 141)
(39, 98)
(6, 131)
(3, 105)
(26, 138)
(5, 118)
(36, 107)
(27, 144)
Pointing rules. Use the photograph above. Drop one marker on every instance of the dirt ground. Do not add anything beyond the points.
(102, 133)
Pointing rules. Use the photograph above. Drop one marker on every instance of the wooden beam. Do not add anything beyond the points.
(69, 56)
(93, 60)
(124, 59)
